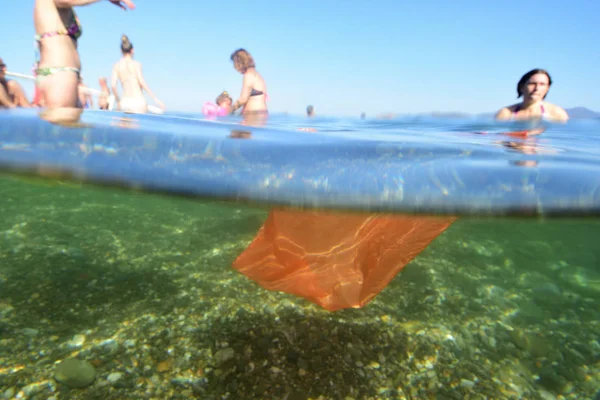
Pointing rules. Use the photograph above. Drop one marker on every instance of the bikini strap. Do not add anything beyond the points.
(518, 108)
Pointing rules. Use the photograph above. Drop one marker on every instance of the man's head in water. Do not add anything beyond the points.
(126, 46)
(224, 100)
(242, 61)
(310, 111)
(534, 85)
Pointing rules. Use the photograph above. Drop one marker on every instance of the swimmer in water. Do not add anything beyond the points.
(253, 97)
(57, 30)
(85, 98)
(104, 94)
(11, 93)
(220, 108)
(533, 87)
(224, 101)
(129, 73)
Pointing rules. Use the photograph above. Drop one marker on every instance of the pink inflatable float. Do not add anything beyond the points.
(212, 110)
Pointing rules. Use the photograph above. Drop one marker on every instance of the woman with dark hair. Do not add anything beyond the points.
(129, 73)
(11, 93)
(533, 87)
(254, 97)
(57, 69)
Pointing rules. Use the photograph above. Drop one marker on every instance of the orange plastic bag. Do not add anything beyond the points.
(336, 260)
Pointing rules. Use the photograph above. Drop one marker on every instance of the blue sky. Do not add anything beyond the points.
(342, 57)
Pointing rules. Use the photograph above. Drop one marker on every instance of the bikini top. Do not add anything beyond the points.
(73, 30)
(518, 108)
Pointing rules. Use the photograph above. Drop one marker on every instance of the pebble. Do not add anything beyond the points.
(5, 309)
(75, 373)
(30, 332)
(114, 377)
(467, 384)
(9, 393)
(76, 341)
(374, 365)
(109, 345)
(34, 388)
(181, 382)
(224, 355)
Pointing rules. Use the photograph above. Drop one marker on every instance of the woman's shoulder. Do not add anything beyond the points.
(551, 106)
(556, 111)
(506, 112)
(258, 78)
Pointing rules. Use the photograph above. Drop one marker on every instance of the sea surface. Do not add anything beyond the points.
(118, 240)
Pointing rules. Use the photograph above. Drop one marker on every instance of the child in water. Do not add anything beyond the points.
(221, 108)
(224, 102)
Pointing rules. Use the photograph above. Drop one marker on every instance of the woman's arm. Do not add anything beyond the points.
(113, 82)
(73, 3)
(559, 114)
(77, 3)
(504, 114)
(5, 98)
(145, 86)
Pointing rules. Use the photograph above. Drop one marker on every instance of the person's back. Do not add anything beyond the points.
(129, 73)
(127, 70)
(253, 97)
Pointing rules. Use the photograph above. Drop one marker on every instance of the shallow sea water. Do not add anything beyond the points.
(139, 283)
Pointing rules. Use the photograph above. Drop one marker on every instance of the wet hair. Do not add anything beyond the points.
(242, 60)
(527, 76)
(222, 97)
(126, 45)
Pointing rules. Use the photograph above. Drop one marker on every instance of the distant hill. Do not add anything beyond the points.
(582, 113)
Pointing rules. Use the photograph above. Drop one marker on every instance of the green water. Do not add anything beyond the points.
(141, 286)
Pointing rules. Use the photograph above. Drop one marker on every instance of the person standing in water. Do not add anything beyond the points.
(129, 73)
(533, 87)
(253, 97)
(57, 69)
(11, 93)
(310, 111)
(85, 98)
(104, 97)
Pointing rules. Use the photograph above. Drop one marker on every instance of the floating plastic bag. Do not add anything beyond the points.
(336, 260)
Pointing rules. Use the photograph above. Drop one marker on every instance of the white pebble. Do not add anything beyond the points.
(77, 341)
(115, 376)
(467, 384)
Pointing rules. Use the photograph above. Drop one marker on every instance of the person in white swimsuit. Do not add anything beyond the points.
(128, 72)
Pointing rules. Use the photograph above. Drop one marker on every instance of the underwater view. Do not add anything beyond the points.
(174, 257)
